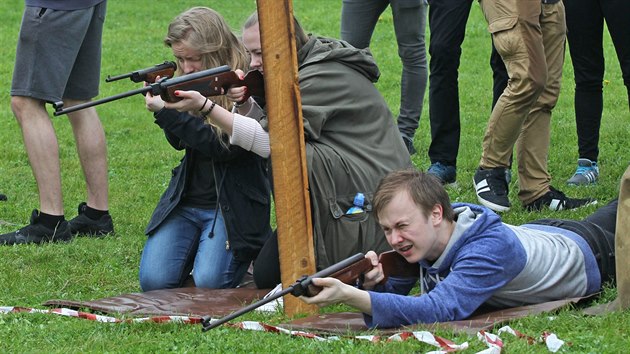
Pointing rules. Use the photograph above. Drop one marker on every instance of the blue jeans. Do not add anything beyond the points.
(181, 244)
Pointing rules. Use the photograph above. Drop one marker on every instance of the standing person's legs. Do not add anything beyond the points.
(409, 25)
(585, 23)
(616, 14)
(87, 128)
(42, 149)
(358, 20)
(91, 147)
(516, 35)
(519, 42)
(447, 25)
(532, 147)
(41, 72)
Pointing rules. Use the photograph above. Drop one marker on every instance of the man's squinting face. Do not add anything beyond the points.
(409, 231)
(188, 59)
(251, 40)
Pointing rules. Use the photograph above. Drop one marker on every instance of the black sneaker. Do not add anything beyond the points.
(82, 225)
(492, 189)
(37, 233)
(556, 200)
(3, 197)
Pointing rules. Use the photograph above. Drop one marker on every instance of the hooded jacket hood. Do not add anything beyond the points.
(319, 49)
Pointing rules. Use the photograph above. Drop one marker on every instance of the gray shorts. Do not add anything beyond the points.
(59, 54)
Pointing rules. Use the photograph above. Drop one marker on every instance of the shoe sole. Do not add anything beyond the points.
(594, 202)
(495, 207)
(577, 184)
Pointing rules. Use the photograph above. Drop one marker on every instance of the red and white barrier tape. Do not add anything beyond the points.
(100, 318)
(493, 341)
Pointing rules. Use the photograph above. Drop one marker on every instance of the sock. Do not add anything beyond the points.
(94, 214)
(50, 221)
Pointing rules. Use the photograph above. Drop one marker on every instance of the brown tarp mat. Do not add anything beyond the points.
(221, 302)
(343, 322)
(182, 301)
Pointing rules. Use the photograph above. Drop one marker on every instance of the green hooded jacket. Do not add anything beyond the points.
(351, 143)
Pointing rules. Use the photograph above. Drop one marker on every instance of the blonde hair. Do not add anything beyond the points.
(207, 31)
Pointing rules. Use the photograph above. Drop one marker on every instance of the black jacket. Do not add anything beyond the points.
(241, 178)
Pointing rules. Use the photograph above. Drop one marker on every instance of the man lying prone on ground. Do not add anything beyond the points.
(469, 258)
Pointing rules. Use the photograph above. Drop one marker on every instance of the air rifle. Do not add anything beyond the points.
(210, 82)
(349, 271)
(149, 75)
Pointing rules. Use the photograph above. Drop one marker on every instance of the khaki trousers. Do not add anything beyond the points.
(530, 37)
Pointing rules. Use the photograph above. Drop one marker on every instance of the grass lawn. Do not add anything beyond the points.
(140, 163)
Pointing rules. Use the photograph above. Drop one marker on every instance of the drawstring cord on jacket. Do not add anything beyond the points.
(218, 210)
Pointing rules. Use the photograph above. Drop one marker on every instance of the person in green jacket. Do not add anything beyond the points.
(351, 143)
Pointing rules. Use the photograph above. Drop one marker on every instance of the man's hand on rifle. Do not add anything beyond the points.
(334, 291)
(374, 276)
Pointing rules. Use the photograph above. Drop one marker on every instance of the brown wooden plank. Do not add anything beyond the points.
(622, 242)
(288, 156)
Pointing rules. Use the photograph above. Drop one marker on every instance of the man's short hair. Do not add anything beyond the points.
(425, 190)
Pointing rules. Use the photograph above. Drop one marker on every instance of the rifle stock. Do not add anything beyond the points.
(347, 271)
(210, 82)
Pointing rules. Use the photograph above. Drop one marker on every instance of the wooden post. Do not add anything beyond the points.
(288, 156)
(622, 243)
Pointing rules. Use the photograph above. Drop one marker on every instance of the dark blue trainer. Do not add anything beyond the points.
(446, 173)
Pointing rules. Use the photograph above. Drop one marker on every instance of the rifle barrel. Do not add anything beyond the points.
(117, 77)
(101, 101)
(207, 325)
(296, 289)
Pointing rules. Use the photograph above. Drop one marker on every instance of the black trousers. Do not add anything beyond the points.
(447, 24)
(585, 24)
(267, 265)
(598, 230)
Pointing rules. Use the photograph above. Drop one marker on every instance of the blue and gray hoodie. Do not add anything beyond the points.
(487, 262)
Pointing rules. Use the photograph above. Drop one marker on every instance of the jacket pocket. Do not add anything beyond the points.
(348, 234)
